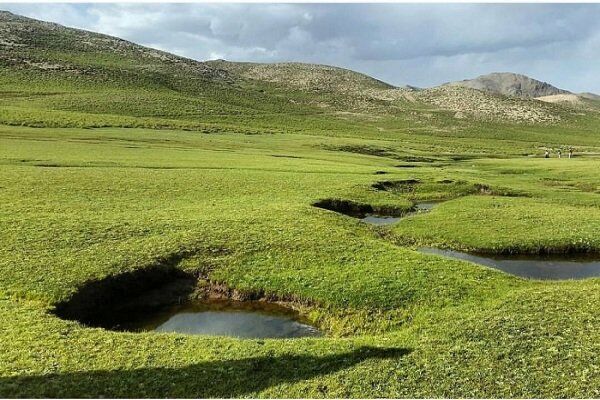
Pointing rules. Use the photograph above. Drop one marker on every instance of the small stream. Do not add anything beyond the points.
(549, 267)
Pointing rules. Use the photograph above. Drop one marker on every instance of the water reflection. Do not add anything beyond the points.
(531, 266)
(226, 318)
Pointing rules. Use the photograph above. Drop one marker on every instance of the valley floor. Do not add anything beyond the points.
(84, 204)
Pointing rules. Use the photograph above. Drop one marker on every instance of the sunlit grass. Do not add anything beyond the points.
(85, 204)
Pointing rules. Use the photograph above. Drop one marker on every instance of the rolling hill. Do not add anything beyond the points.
(64, 77)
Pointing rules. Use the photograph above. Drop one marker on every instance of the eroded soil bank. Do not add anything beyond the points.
(102, 303)
(164, 298)
(355, 209)
(373, 215)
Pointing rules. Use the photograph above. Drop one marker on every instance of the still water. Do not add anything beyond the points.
(225, 318)
(553, 267)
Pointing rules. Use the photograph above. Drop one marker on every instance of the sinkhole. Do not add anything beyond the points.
(165, 299)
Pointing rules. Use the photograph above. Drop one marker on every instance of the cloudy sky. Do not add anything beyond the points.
(417, 44)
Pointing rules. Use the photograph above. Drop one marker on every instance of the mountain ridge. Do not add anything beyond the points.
(510, 84)
(504, 83)
(100, 77)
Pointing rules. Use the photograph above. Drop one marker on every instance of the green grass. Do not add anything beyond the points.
(80, 204)
(118, 159)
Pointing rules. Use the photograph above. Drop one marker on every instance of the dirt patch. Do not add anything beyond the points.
(210, 290)
(566, 98)
(485, 106)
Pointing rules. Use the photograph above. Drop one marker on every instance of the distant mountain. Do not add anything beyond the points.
(510, 84)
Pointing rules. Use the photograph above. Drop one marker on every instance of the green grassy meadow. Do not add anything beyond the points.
(83, 204)
(116, 158)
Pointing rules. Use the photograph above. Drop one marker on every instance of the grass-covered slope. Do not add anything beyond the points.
(81, 203)
(311, 77)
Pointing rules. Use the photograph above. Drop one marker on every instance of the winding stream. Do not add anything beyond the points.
(550, 267)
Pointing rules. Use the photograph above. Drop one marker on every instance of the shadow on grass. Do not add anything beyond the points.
(233, 378)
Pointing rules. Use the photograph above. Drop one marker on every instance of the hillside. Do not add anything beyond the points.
(172, 228)
(336, 88)
(590, 96)
(46, 46)
(510, 84)
(471, 103)
(56, 76)
(304, 76)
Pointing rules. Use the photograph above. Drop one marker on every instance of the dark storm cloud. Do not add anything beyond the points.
(423, 45)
